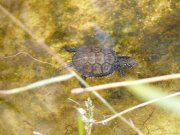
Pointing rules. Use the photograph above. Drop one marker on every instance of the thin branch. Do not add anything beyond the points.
(12, 56)
(138, 106)
(36, 84)
(126, 83)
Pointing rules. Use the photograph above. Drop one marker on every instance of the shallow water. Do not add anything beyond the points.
(145, 30)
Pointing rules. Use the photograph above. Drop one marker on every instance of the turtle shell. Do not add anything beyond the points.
(94, 61)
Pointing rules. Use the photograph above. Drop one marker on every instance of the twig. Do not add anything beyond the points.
(138, 106)
(126, 83)
(12, 56)
(72, 100)
(37, 84)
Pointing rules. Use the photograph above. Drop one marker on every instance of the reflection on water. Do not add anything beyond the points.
(146, 30)
(102, 37)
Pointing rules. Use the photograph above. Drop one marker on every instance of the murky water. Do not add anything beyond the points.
(148, 31)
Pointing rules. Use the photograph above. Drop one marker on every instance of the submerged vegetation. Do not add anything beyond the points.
(146, 30)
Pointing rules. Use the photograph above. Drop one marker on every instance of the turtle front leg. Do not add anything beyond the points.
(69, 49)
(81, 84)
(70, 64)
(121, 72)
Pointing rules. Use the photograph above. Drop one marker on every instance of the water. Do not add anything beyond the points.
(145, 30)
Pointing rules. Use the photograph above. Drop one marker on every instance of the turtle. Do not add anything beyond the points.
(93, 61)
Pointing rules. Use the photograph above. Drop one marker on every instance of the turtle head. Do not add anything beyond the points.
(126, 62)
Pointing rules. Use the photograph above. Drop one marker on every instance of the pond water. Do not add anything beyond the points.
(148, 31)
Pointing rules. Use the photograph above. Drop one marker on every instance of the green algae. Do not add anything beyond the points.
(147, 30)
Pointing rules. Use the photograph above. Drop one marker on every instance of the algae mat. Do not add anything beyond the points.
(146, 30)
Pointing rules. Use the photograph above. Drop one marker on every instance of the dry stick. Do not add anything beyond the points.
(126, 83)
(36, 84)
(136, 107)
(12, 56)
(43, 45)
